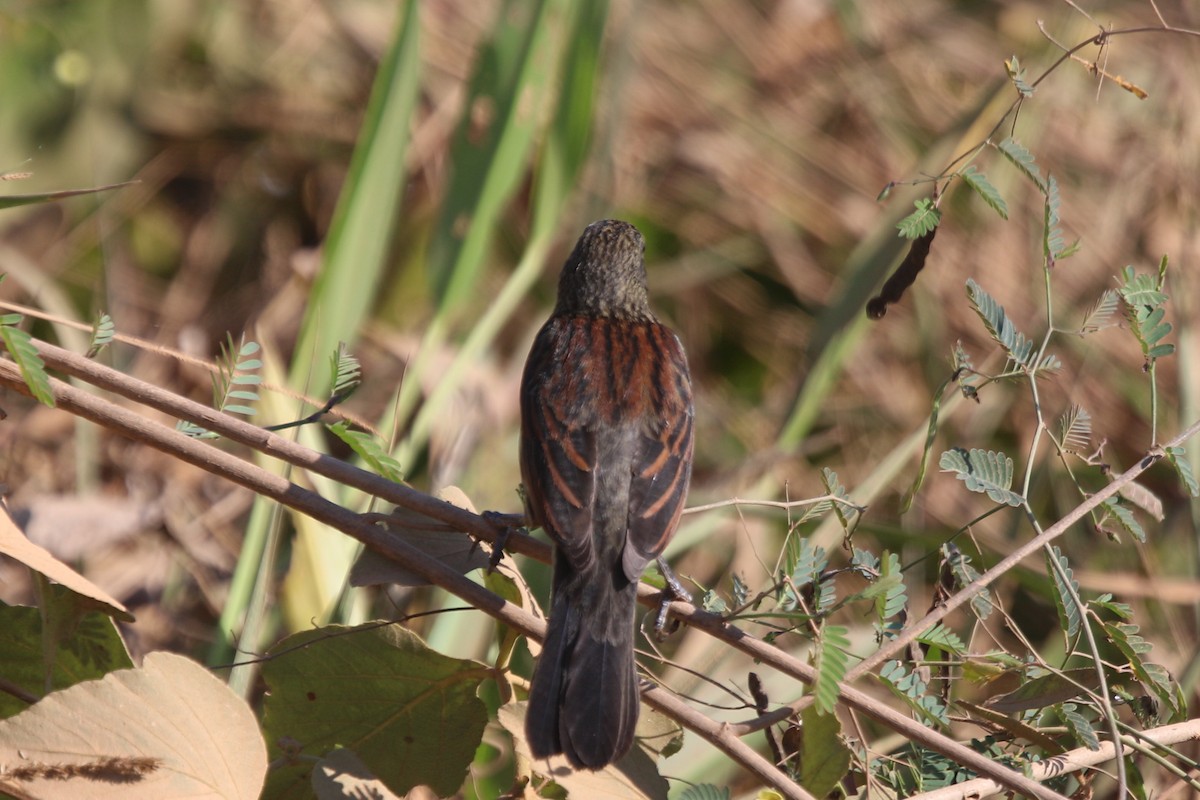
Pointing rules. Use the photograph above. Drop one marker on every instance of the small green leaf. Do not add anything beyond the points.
(103, 332)
(346, 372)
(713, 603)
(1016, 74)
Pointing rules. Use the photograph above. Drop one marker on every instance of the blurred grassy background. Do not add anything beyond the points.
(748, 141)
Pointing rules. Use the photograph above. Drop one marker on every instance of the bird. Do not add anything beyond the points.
(606, 451)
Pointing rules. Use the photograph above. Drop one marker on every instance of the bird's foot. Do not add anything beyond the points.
(672, 591)
(504, 525)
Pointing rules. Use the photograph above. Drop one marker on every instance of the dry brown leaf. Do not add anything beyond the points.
(14, 544)
(171, 727)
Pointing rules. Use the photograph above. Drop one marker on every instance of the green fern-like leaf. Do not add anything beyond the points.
(1052, 240)
(998, 325)
(1023, 160)
(832, 659)
(741, 592)
(826, 597)
(941, 636)
(235, 384)
(347, 373)
(1016, 74)
(370, 450)
(1101, 314)
(965, 574)
(713, 603)
(1145, 312)
(1126, 638)
(983, 187)
(983, 471)
(920, 222)
(1068, 612)
(1080, 727)
(834, 488)
(1075, 429)
(805, 562)
(103, 332)
(1124, 518)
(893, 595)
(909, 687)
(930, 436)
(20, 346)
(705, 791)
(1183, 467)
(1157, 679)
(1140, 289)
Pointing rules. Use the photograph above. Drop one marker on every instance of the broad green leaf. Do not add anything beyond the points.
(355, 252)
(411, 714)
(824, 757)
(83, 646)
(1045, 690)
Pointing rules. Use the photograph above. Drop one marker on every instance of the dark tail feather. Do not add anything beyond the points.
(584, 698)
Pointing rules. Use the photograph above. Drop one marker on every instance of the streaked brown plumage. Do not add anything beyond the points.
(606, 457)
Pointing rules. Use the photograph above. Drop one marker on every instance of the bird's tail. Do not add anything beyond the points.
(583, 701)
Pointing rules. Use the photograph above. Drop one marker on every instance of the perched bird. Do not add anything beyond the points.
(606, 458)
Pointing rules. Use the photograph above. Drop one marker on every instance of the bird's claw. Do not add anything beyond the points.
(672, 591)
(504, 525)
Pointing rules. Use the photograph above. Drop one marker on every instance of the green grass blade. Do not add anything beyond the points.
(356, 249)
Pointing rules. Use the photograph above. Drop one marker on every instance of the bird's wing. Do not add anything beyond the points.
(558, 449)
(662, 462)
